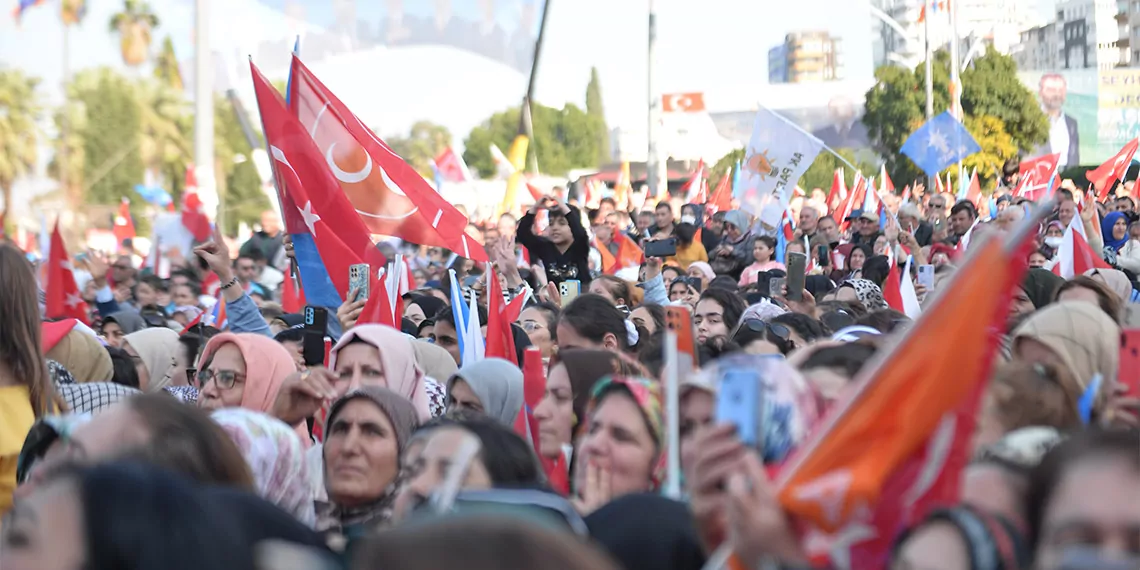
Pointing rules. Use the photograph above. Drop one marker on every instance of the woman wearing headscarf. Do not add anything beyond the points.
(435, 361)
(1076, 335)
(1114, 231)
(365, 435)
(244, 370)
(83, 356)
(422, 307)
(865, 292)
(623, 443)
(377, 355)
(703, 271)
(492, 386)
(276, 457)
(120, 324)
(1037, 290)
(154, 352)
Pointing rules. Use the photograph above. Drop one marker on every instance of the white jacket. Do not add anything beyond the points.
(1129, 256)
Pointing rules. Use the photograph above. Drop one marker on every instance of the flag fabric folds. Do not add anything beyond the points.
(390, 196)
(940, 142)
(62, 298)
(896, 447)
(1113, 169)
(776, 157)
(124, 226)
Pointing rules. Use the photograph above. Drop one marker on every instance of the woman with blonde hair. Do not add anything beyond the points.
(25, 388)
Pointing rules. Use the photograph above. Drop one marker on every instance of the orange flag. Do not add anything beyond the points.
(896, 448)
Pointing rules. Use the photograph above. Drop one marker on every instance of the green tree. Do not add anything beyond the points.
(596, 111)
(424, 142)
(167, 127)
(822, 171)
(134, 25)
(896, 107)
(166, 69)
(563, 139)
(718, 170)
(70, 137)
(111, 134)
(19, 110)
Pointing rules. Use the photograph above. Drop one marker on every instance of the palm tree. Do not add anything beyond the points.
(19, 111)
(70, 165)
(134, 25)
(166, 67)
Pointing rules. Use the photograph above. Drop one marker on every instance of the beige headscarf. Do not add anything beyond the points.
(1116, 280)
(1082, 336)
(84, 357)
(157, 348)
(402, 374)
(435, 360)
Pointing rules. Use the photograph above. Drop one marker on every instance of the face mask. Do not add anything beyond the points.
(689, 220)
(1053, 242)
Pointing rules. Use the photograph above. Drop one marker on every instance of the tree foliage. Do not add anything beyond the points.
(239, 185)
(19, 110)
(166, 68)
(134, 25)
(818, 175)
(425, 141)
(999, 111)
(596, 110)
(564, 139)
(111, 134)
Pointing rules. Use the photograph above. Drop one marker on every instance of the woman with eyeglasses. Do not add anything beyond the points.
(539, 321)
(244, 370)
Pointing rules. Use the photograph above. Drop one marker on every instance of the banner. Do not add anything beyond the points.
(774, 160)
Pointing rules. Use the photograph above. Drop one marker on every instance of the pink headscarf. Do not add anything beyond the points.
(267, 364)
(402, 374)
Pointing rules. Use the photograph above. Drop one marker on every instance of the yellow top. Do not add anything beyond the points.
(16, 418)
(687, 255)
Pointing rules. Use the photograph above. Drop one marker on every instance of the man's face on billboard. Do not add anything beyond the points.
(1052, 92)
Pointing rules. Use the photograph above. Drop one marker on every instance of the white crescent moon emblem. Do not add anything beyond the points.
(348, 177)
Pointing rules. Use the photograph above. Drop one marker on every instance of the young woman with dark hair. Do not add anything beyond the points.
(591, 321)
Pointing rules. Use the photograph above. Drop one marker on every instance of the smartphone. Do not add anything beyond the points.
(359, 279)
(661, 248)
(821, 256)
(776, 286)
(1129, 374)
(738, 403)
(796, 263)
(569, 290)
(926, 277)
(313, 342)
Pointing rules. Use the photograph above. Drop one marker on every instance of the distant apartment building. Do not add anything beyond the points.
(1040, 48)
(900, 36)
(805, 57)
(1086, 34)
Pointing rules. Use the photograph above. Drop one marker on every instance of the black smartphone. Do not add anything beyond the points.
(797, 275)
(821, 255)
(313, 343)
(661, 248)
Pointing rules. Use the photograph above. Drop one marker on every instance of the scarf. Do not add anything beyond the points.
(404, 418)
(1040, 285)
(156, 347)
(129, 321)
(1106, 231)
(267, 364)
(648, 396)
(868, 293)
(499, 386)
(84, 356)
(402, 374)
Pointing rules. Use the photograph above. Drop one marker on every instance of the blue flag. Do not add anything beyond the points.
(942, 141)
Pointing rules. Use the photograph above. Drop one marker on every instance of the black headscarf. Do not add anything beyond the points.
(428, 304)
(647, 531)
(1041, 285)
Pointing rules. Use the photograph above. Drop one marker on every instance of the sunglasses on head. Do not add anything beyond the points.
(759, 326)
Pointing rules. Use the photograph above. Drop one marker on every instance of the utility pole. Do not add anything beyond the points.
(654, 165)
(204, 110)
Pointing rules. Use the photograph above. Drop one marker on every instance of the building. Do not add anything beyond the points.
(1040, 48)
(805, 57)
(778, 64)
(900, 38)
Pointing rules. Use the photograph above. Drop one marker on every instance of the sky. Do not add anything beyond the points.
(719, 47)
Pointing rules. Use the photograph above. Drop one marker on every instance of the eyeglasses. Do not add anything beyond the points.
(758, 326)
(531, 326)
(224, 379)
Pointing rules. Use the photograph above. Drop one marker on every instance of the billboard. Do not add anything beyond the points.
(1092, 113)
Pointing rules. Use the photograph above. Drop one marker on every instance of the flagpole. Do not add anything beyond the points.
(63, 117)
(525, 113)
(929, 76)
(653, 172)
(204, 109)
(821, 143)
(956, 78)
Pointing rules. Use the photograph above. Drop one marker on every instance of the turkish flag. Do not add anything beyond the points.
(292, 295)
(683, 102)
(721, 199)
(838, 191)
(1113, 169)
(1041, 168)
(193, 217)
(451, 166)
(390, 196)
(62, 295)
(896, 447)
(124, 227)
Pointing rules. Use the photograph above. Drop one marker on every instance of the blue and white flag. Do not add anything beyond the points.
(776, 157)
(942, 141)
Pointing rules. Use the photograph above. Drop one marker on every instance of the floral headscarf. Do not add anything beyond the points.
(650, 399)
(276, 457)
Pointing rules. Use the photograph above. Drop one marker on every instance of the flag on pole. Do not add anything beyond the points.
(61, 295)
(777, 155)
(721, 199)
(1113, 169)
(940, 142)
(696, 182)
(124, 226)
(391, 198)
(451, 166)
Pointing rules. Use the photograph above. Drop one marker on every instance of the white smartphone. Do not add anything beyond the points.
(926, 277)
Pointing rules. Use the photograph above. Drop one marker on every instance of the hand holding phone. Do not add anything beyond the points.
(926, 277)
(797, 275)
(359, 280)
(569, 290)
(738, 403)
(313, 342)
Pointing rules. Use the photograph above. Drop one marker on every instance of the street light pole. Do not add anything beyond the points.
(653, 171)
(204, 110)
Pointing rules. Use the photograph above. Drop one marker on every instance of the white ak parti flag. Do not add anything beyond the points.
(775, 158)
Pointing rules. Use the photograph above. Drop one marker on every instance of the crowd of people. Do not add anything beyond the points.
(151, 439)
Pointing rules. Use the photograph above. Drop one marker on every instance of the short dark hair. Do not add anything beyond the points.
(729, 301)
(1011, 166)
(808, 328)
(1107, 300)
(883, 320)
(509, 461)
(125, 372)
(593, 317)
(445, 315)
(966, 206)
(665, 205)
(849, 357)
(253, 254)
